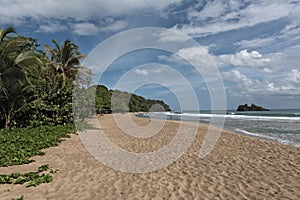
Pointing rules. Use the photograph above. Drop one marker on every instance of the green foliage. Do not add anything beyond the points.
(44, 178)
(16, 62)
(36, 90)
(21, 198)
(65, 59)
(43, 168)
(34, 178)
(102, 97)
(53, 107)
(18, 145)
(121, 101)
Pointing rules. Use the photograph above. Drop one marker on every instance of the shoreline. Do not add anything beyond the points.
(238, 167)
(236, 130)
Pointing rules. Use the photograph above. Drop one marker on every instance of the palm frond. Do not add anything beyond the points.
(6, 31)
(28, 60)
(52, 53)
(12, 46)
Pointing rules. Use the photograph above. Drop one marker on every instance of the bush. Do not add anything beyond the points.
(18, 145)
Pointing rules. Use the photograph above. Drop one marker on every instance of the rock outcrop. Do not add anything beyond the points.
(253, 107)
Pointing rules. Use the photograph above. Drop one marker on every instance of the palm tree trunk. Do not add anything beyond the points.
(7, 121)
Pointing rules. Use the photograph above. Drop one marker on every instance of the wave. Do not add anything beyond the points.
(274, 114)
(275, 139)
(233, 116)
(280, 129)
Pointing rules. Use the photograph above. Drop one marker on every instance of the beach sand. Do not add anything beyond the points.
(239, 167)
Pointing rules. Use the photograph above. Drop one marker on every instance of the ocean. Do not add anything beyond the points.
(282, 126)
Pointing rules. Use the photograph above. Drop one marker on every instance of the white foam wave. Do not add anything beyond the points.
(282, 141)
(232, 116)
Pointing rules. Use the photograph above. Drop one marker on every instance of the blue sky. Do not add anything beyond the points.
(255, 45)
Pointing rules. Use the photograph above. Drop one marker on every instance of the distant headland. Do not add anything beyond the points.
(253, 107)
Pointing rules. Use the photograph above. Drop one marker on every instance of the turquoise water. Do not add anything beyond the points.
(277, 125)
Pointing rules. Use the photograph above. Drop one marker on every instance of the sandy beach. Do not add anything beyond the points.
(239, 167)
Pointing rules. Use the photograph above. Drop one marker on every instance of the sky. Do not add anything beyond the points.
(252, 48)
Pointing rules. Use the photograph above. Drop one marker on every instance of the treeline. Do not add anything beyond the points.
(119, 101)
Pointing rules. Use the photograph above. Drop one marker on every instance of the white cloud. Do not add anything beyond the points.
(202, 57)
(221, 16)
(242, 81)
(251, 72)
(170, 36)
(243, 58)
(290, 33)
(141, 72)
(267, 70)
(52, 28)
(76, 9)
(195, 55)
(294, 76)
(272, 88)
(284, 84)
(118, 25)
(86, 29)
(154, 71)
(193, 52)
(161, 71)
(92, 29)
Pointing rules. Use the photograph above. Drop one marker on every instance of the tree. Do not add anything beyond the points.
(65, 59)
(15, 64)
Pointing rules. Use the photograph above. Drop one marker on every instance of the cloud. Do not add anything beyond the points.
(283, 84)
(193, 52)
(92, 29)
(169, 36)
(242, 58)
(241, 80)
(141, 72)
(196, 55)
(221, 16)
(118, 25)
(155, 70)
(212, 9)
(86, 29)
(52, 28)
(294, 76)
(76, 9)
(246, 73)
(202, 57)
(288, 35)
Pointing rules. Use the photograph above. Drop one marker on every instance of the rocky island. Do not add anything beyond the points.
(253, 107)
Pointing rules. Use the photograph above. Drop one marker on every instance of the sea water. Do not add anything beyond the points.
(277, 125)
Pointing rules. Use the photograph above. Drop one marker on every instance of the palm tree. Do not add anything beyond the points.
(15, 64)
(65, 59)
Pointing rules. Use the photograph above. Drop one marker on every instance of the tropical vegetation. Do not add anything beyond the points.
(42, 175)
(17, 146)
(120, 101)
(36, 107)
(36, 88)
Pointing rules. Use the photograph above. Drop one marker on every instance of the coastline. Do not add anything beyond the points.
(238, 167)
(269, 135)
